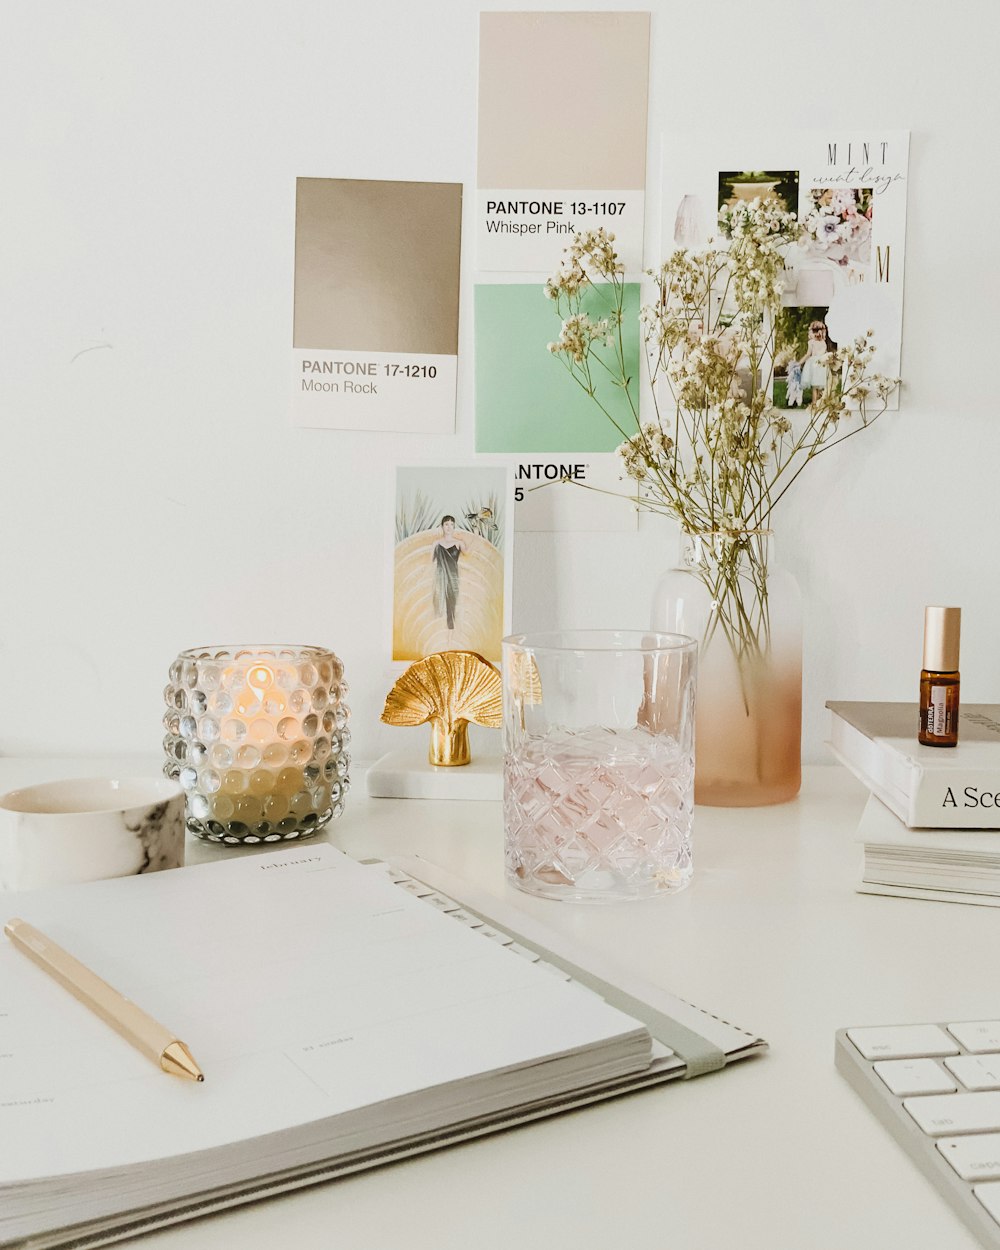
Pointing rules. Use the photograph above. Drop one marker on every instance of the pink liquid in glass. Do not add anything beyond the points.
(598, 814)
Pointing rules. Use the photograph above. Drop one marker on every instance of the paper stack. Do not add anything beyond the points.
(931, 828)
(948, 865)
(344, 1015)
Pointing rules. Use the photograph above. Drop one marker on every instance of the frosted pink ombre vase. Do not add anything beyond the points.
(747, 616)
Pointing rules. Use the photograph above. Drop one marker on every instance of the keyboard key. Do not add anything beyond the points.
(975, 1071)
(989, 1196)
(914, 1076)
(946, 1114)
(979, 1036)
(954, 1136)
(902, 1041)
(975, 1158)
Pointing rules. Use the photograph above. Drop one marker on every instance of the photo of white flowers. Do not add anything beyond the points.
(838, 225)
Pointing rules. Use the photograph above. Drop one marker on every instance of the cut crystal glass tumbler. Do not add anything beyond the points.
(599, 763)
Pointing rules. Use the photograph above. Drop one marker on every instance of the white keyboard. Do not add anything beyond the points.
(936, 1087)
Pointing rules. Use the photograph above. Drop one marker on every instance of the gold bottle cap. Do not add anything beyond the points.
(942, 634)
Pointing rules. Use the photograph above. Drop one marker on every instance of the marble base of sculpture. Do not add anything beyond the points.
(406, 774)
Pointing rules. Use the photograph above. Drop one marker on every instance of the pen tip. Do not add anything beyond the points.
(176, 1059)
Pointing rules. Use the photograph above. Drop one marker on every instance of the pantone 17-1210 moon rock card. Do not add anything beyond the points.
(375, 341)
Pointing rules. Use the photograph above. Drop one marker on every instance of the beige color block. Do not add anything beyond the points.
(377, 265)
(416, 630)
(562, 100)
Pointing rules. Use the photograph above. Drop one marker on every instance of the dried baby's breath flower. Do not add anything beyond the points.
(720, 455)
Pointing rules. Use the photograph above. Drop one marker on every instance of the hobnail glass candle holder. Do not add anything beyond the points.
(257, 736)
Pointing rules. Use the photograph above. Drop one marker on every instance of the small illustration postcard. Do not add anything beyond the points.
(451, 566)
(845, 274)
(375, 339)
(548, 167)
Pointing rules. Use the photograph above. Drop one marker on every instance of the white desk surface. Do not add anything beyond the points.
(775, 1153)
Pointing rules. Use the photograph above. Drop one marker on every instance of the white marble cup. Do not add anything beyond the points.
(89, 828)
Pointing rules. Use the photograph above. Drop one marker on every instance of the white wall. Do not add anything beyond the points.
(154, 494)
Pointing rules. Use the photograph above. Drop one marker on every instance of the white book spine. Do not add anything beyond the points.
(954, 799)
(922, 797)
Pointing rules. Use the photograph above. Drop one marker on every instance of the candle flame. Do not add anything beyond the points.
(260, 677)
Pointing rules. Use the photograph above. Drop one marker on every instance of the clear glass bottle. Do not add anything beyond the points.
(746, 613)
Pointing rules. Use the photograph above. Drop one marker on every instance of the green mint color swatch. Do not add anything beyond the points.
(525, 398)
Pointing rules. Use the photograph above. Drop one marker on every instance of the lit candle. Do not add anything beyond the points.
(258, 738)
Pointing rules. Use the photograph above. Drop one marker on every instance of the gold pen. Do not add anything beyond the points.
(155, 1041)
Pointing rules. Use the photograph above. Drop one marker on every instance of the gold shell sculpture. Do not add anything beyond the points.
(448, 688)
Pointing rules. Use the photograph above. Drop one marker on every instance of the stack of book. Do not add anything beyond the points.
(931, 828)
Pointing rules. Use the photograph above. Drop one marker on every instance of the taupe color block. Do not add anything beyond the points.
(562, 100)
(377, 265)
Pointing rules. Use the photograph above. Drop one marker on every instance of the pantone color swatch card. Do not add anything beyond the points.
(845, 274)
(574, 494)
(375, 340)
(548, 169)
(526, 400)
(562, 134)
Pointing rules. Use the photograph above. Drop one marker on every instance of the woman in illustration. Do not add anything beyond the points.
(445, 554)
(813, 364)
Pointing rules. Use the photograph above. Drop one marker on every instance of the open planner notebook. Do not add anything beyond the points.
(344, 1015)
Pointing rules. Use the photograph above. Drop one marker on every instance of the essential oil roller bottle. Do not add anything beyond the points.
(939, 679)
